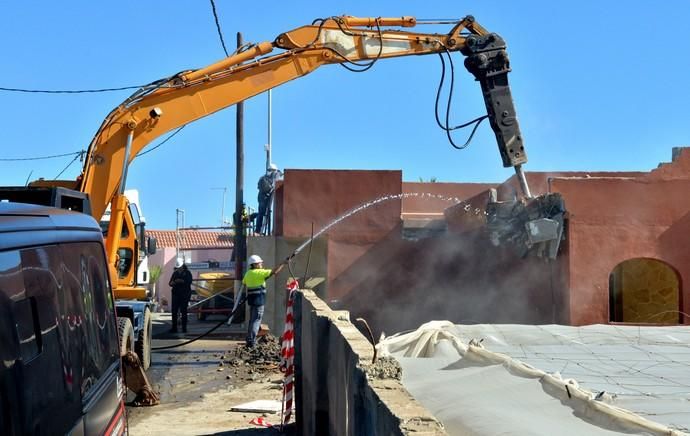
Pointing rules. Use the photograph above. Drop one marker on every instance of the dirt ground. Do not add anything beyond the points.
(200, 382)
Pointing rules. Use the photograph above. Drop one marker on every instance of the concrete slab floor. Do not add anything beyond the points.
(196, 391)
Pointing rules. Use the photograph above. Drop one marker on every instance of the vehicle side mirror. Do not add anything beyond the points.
(151, 245)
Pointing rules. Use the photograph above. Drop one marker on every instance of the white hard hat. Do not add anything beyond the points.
(255, 259)
(179, 262)
(273, 167)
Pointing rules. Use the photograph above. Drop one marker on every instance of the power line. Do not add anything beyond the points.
(162, 142)
(80, 154)
(68, 91)
(40, 157)
(220, 33)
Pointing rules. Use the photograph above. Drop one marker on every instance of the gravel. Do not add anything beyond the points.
(384, 368)
(264, 356)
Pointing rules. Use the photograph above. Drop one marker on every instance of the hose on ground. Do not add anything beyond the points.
(232, 314)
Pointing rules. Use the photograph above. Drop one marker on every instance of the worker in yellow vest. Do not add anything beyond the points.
(254, 284)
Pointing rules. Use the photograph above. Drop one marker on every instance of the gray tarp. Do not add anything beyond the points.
(511, 379)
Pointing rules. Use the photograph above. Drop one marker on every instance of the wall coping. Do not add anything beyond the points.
(413, 418)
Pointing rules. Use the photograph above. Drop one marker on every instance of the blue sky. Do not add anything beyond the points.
(597, 85)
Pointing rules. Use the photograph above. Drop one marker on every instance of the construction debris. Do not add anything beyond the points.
(263, 356)
(385, 368)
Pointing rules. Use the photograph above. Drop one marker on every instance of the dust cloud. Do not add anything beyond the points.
(455, 277)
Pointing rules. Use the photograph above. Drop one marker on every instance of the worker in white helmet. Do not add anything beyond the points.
(266, 186)
(181, 284)
(254, 284)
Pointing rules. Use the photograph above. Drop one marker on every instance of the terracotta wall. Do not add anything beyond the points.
(450, 192)
(397, 284)
(612, 217)
(613, 220)
(321, 196)
(539, 182)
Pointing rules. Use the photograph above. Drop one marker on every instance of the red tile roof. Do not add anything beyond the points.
(192, 239)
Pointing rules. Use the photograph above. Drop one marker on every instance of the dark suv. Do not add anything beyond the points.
(59, 350)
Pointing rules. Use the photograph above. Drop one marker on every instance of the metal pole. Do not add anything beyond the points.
(179, 227)
(177, 234)
(125, 164)
(523, 181)
(222, 208)
(269, 145)
(269, 159)
(240, 242)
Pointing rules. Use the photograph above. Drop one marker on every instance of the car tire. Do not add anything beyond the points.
(143, 344)
(125, 332)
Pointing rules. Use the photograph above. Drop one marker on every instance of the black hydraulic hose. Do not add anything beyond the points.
(446, 127)
(167, 347)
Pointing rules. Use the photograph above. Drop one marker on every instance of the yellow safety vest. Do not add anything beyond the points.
(256, 278)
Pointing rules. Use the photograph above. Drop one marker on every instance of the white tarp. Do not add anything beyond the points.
(548, 380)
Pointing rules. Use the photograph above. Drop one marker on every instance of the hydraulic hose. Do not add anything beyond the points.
(232, 314)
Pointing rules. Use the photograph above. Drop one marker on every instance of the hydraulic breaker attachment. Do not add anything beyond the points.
(137, 382)
(532, 226)
(488, 62)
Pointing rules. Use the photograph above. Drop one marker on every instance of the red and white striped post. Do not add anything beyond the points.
(287, 355)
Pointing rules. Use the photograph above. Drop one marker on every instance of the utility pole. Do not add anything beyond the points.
(240, 240)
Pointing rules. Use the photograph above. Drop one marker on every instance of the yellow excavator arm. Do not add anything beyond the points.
(173, 102)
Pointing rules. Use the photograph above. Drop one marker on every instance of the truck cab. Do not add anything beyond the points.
(133, 236)
(59, 340)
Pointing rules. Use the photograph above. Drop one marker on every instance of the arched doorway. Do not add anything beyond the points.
(644, 291)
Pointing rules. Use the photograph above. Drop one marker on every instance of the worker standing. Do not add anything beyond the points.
(254, 284)
(266, 186)
(181, 283)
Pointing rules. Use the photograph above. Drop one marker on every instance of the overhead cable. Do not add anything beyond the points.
(162, 142)
(81, 154)
(68, 91)
(16, 159)
(220, 33)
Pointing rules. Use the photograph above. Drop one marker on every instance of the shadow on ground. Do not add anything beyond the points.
(289, 430)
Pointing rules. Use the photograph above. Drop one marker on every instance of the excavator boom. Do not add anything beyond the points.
(178, 100)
